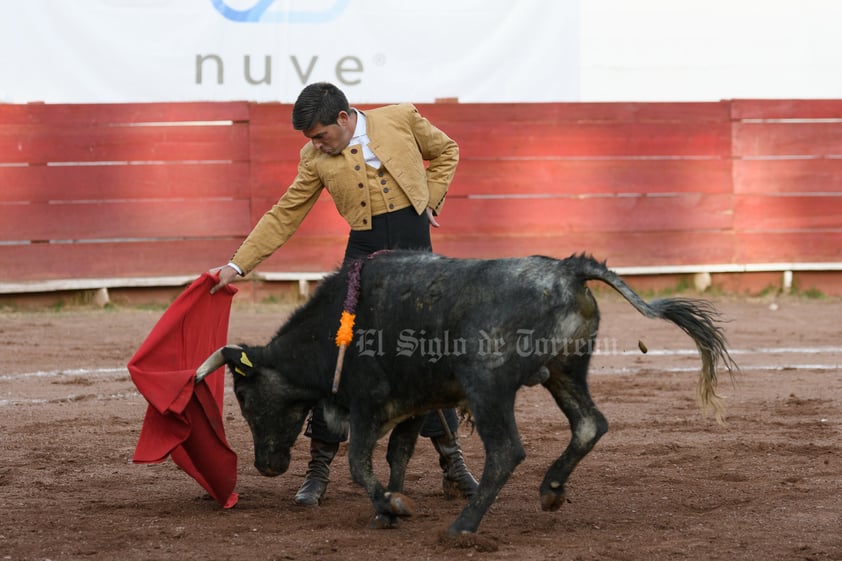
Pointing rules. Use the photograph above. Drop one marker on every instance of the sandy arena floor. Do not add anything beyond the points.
(665, 483)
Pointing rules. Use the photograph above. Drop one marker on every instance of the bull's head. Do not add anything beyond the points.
(273, 409)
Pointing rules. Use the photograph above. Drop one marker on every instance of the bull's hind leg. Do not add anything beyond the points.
(495, 422)
(569, 386)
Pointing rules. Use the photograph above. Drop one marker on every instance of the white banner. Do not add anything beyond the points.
(377, 51)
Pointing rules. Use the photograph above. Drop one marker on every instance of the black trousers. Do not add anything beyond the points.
(402, 229)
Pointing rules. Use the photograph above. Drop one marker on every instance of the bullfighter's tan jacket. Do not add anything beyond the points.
(400, 138)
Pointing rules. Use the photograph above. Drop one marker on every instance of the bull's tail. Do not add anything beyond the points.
(697, 318)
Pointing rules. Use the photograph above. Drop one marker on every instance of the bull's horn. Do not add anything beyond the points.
(213, 362)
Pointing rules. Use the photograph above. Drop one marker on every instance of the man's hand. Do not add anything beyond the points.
(432, 218)
(226, 275)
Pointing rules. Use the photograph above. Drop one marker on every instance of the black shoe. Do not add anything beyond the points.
(315, 483)
(457, 480)
(311, 492)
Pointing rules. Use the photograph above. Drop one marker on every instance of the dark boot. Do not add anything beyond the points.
(457, 481)
(318, 471)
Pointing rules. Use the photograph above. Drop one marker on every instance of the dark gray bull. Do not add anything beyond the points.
(433, 332)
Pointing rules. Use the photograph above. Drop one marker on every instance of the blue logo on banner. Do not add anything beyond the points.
(260, 12)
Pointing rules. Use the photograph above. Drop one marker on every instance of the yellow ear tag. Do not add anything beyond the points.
(245, 360)
(238, 371)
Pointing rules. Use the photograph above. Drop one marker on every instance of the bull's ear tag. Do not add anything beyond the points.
(238, 360)
(244, 360)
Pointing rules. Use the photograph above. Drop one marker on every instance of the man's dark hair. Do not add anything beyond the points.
(318, 104)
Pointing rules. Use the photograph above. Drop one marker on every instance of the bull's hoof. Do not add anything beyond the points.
(383, 522)
(552, 500)
(455, 539)
(400, 505)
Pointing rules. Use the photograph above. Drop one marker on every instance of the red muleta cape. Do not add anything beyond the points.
(184, 419)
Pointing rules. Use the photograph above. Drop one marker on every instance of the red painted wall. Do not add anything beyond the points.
(129, 190)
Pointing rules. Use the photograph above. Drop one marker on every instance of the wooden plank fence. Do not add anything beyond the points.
(159, 192)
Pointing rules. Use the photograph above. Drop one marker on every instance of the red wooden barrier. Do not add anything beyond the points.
(121, 190)
(619, 180)
(787, 177)
(138, 190)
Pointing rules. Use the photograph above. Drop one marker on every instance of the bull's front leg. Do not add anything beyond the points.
(388, 506)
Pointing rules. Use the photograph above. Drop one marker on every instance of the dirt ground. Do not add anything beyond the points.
(665, 482)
